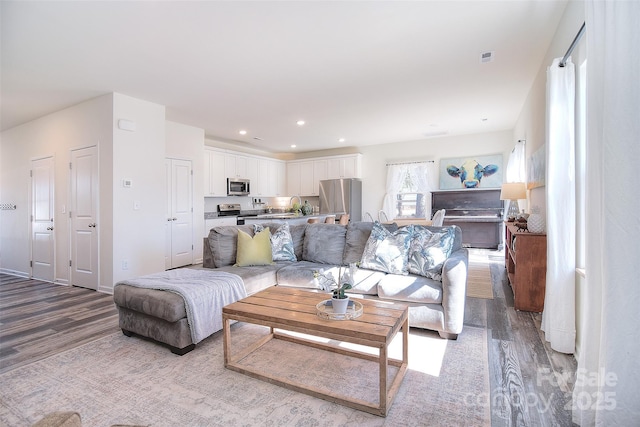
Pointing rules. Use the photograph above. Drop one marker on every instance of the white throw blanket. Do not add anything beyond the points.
(204, 292)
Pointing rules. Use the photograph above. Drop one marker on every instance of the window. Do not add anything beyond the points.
(407, 190)
(410, 203)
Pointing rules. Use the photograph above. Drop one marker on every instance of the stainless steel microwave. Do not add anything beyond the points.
(238, 187)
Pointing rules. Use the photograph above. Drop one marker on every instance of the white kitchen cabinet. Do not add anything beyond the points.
(306, 179)
(344, 166)
(264, 180)
(293, 178)
(215, 179)
(235, 166)
(278, 174)
(252, 175)
(320, 172)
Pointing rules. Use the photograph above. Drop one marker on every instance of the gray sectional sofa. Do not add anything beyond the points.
(433, 304)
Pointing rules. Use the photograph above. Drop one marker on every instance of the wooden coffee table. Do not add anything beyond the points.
(295, 310)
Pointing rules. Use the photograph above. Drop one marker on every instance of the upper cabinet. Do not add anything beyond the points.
(344, 166)
(215, 177)
(267, 176)
(304, 176)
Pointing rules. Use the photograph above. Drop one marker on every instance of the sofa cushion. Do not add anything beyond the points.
(429, 250)
(297, 236)
(223, 241)
(254, 250)
(324, 243)
(300, 275)
(410, 288)
(357, 236)
(256, 278)
(281, 242)
(386, 251)
(165, 305)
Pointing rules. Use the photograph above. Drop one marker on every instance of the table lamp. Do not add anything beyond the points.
(513, 191)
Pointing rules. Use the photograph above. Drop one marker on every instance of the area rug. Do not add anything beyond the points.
(121, 380)
(479, 283)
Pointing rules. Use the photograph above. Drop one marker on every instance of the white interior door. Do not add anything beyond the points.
(42, 209)
(180, 209)
(84, 226)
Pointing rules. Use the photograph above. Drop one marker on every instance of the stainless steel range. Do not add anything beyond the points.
(229, 209)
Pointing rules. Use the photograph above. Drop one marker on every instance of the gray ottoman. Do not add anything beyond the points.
(155, 314)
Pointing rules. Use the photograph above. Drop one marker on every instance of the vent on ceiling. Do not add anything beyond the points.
(487, 57)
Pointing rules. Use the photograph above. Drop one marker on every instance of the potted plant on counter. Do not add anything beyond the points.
(339, 300)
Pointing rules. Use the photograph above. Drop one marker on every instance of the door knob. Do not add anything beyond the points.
(50, 228)
(174, 219)
(93, 225)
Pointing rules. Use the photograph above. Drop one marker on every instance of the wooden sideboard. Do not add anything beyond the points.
(526, 263)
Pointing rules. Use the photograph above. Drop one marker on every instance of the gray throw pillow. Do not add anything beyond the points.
(387, 251)
(281, 243)
(429, 250)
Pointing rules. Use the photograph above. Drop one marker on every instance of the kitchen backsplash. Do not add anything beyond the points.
(247, 203)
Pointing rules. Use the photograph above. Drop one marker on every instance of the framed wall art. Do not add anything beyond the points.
(536, 168)
(459, 173)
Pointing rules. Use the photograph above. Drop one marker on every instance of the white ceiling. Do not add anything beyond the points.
(369, 72)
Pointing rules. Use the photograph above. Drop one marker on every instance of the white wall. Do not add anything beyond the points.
(187, 143)
(375, 158)
(82, 125)
(138, 235)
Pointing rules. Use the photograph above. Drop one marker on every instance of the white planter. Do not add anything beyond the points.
(339, 305)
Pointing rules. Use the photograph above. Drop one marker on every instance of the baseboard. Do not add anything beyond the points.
(14, 273)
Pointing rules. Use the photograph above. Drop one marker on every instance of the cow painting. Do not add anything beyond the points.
(471, 173)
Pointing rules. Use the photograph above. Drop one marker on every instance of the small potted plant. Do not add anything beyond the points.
(339, 300)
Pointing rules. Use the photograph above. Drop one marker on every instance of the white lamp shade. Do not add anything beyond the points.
(513, 191)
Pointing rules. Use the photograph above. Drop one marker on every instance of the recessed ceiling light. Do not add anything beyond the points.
(300, 122)
(243, 132)
(341, 140)
(293, 145)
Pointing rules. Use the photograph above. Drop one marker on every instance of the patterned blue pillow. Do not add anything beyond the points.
(281, 242)
(429, 250)
(386, 251)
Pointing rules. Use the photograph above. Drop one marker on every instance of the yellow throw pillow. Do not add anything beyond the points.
(254, 251)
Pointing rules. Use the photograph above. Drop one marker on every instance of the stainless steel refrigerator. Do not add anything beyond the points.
(341, 196)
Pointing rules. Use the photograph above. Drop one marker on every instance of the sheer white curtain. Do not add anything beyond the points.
(419, 173)
(610, 335)
(515, 165)
(395, 177)
(558, 317)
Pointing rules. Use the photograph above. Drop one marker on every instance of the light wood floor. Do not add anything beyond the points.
(527, 378)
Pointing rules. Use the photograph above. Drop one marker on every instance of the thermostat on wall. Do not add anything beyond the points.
(127, 125)
(126, 183)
